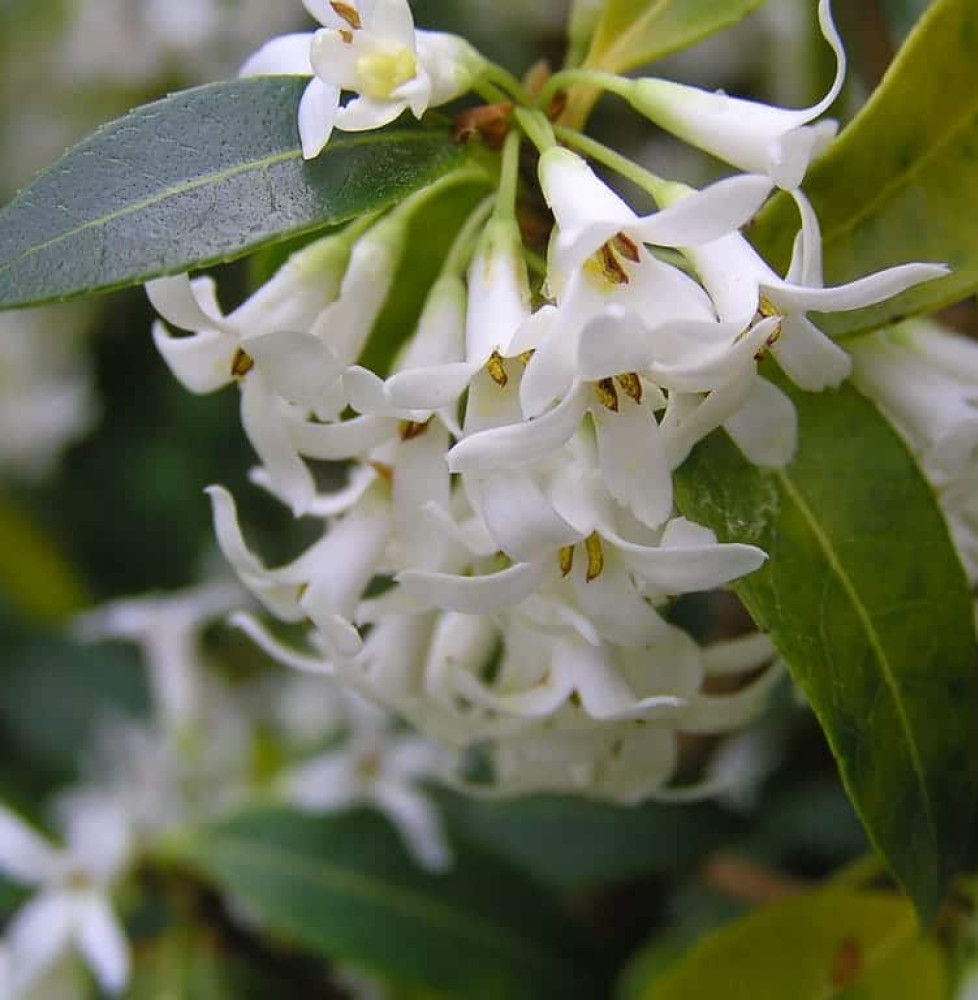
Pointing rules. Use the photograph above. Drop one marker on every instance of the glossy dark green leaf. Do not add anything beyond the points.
(634, 32)
(609, 843)
(865, 598)
(201, 177)
(344, 887)
(900, 183)
(831, 944)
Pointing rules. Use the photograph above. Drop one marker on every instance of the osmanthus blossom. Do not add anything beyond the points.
(749, 135)
(71, 909)
(379, 766)
(168, 629)
(369, 48)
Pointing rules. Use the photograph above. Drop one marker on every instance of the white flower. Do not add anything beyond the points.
(72, 908)
(323, 584)
(373, 50)
(168, 629)
(747, 134)
(379, 767)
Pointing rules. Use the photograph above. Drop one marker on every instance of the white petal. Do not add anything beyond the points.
(285, 55)
(324, 784)
(297, 366)
(806, 258)
(731, 271)
(429, 388)
(856, 294)
(479, 595)
(451, 64)
(706, 215)
(499, 294)
(318, 111)
(189, 305)
(725, 713)
(25, 856)
(417, 822)
(765, 426)
(266, 428)
(679, 569)
(363, 114)
(278, 651)
(738, 656)
(520, 518)
(38, 934)
(348, 439)
(102, 942)
(633, 460)
(326, 505)
(810, 359)
(515, 444)
(201, 362)
(688, 419)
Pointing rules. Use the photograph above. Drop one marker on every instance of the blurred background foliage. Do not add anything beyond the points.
(120, 509)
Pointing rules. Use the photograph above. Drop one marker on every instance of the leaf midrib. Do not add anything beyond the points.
(199, 182)
(457, 922)
(862, 612)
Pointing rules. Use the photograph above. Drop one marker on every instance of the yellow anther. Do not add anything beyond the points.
(346, 35)
(301, 591)
(349, 14)
(380, 73)
(566, 558)
(595, 557)
(774, 336)
(409, 430)
(383, 470)
(627, 247)
(524, 358)
(767, 308)
(241, 364)
(631, 385)
(607, 394)
(497, 369)
(605, 266)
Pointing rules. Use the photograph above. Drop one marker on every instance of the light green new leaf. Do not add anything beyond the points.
(201, 177)
(344, 886)
(829, 944)
(635, 32)
(900, 183)
(864, 596)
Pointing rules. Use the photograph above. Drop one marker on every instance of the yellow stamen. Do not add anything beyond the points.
(384, 471)
(631, 385)
(497, 370)
(607, 394)
(524, 358)
(349, 14)
(627, 247)
(241, 364)
(595, 557)
(346, 35)
(767, 308)
(409, 430)
(566, 558)
(380, 73)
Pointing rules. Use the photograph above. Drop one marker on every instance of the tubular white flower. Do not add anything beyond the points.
(376, 53)
(749, 135)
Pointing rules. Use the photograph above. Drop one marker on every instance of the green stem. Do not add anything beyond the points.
(505, 80)
(614, 84)
(490, 93)
(464, 243)
(509, 179)
(645, 179)
(537, 128)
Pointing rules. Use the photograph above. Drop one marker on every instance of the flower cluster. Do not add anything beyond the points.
(196, 759)
(499, 564)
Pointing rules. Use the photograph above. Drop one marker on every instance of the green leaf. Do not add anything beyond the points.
(864, 596)
(201, 177)
(900, 183)
(635, 32)
(829, 944)
(35, 577)
(609, 843)
(345, 887)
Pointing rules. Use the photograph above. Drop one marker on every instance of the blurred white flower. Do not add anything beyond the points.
(71, 909)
